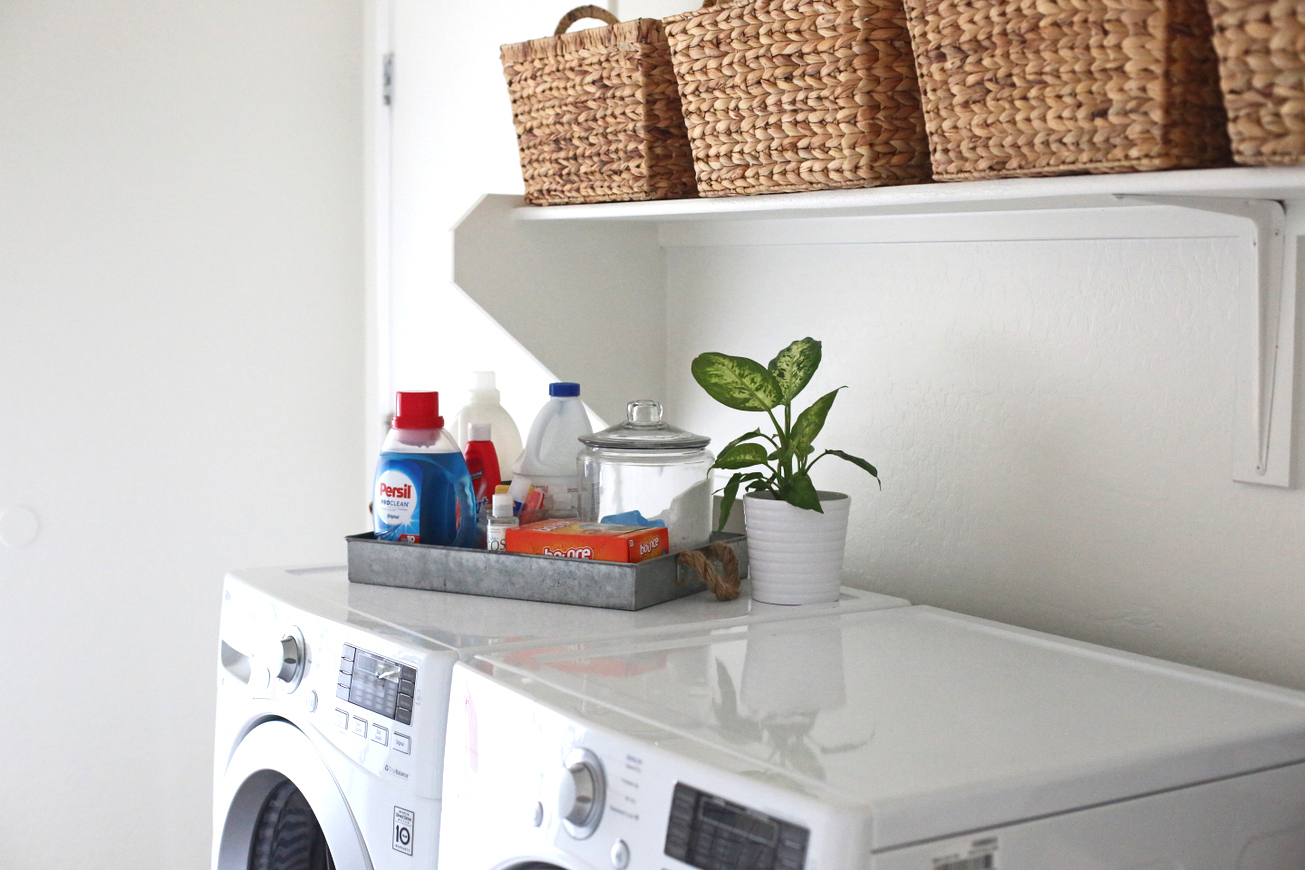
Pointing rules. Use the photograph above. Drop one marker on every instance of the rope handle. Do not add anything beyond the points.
(723, 583)
(601, 14)
(580, 12)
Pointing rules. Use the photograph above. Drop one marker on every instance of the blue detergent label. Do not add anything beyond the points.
(396, 502)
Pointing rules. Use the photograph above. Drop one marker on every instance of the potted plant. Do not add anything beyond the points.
(796, 534)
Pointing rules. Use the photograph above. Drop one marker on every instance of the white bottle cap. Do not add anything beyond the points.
(478, 432)
(485, 389)
(502, 504)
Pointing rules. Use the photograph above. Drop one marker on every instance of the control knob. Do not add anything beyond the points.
(285, 659)
(581, 794)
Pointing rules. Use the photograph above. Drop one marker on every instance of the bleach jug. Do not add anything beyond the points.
(549, 462)
(423, 490)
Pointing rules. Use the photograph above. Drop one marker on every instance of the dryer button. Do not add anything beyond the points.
(620, 855)
(341, 719)
(401, 743)
(380, 735)
(359, 727)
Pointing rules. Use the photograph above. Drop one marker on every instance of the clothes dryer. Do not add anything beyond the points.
(333, 698)
(905, 739)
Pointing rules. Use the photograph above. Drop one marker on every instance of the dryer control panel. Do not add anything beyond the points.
(712, 833)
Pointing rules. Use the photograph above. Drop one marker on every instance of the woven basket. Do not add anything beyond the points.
(1261, 48)
(597, 113)
(784, 95)
(1054, 87)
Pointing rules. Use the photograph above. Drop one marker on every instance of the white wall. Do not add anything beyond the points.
(1052, 419)
(1052, 422)
(452, 142)
(181, 387)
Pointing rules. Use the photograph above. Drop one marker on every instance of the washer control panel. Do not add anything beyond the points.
(376, 683)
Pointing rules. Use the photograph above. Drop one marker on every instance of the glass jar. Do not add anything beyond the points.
(649, 466)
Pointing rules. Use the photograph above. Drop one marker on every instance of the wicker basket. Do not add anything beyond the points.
(1261, 48)
(1053, 87)
(784, 95)
(597, 113)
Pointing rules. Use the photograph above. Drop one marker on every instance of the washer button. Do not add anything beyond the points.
(341, 719)
(359, 727)
(620, 855)
(538, 817)
(311, 702)
(380, 735)
(401, 743)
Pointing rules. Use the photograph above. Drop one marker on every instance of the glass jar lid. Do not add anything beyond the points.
(644, 429)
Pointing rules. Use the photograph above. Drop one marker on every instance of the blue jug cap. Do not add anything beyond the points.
(564, 389)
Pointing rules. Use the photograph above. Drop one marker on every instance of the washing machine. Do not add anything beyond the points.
(332, 700)
(902, 739)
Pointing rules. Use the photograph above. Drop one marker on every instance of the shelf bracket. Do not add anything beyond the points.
(1262, 437)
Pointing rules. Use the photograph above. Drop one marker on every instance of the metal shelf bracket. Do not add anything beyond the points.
(1262, 437)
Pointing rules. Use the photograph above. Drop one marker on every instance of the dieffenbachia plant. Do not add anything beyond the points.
(784, 467)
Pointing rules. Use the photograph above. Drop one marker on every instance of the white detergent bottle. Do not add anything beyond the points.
(549, 462)
(483, 407)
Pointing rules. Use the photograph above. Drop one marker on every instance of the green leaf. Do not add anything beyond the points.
(802, 493)
(737, 382)
(755, 433)
(811, 421)
(741, 456)
(794, 365)
(858, 461)
(732, 491)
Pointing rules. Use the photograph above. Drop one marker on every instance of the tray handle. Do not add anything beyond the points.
(724, 584)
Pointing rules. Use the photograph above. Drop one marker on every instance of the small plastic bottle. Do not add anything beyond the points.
(423, 490)
(549, 462)
(500, 521)
(482, 462)
(483, 407)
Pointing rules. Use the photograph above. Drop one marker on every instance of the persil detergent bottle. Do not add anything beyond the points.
(423, 489)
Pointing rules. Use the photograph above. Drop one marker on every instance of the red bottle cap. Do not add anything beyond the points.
(417, 411)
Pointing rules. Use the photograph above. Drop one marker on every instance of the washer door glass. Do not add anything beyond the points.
(287, 836)
(279, 808)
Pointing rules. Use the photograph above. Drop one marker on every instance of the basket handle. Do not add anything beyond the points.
(580, 12)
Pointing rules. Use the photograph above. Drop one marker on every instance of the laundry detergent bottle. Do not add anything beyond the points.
(423, 490)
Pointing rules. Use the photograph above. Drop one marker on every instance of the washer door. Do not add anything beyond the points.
(280, 808)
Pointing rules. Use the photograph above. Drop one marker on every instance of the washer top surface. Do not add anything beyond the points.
(467, 623)
(929, 722)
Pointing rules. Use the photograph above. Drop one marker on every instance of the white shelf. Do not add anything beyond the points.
(564, 279)
(1074, 191)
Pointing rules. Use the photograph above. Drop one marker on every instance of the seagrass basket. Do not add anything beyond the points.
(1261, 48)
(597, 113)
(786, 95)
(1056, 87)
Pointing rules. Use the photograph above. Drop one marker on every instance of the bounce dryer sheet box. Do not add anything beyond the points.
(602, 542)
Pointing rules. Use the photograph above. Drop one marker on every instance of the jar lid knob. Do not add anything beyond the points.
(644, 412)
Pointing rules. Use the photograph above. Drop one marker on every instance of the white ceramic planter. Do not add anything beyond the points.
(795, 556)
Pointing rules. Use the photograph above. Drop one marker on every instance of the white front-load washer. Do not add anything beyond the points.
(333, 697)
(904, 739)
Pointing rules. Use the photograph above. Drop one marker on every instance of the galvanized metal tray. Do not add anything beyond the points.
(613, 585)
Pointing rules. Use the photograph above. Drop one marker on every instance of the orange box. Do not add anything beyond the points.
(602, 542)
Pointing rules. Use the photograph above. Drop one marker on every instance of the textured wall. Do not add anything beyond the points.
(1052, 422)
